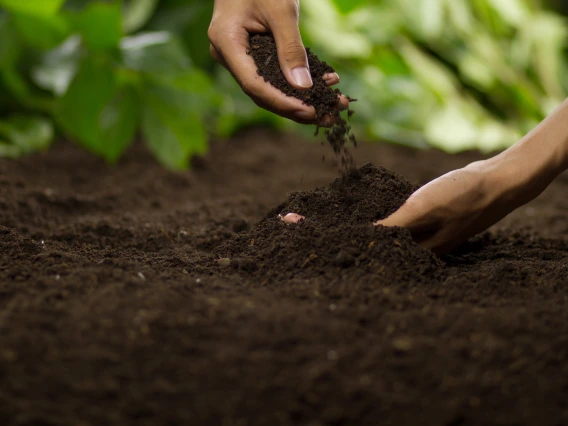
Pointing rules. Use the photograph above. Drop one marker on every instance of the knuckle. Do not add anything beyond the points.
(294, 50)
(292, 8)
(212, 34)
(232, 35)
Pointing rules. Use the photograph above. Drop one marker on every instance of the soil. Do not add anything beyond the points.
(323, 98)
(337, 231)
(131, 295)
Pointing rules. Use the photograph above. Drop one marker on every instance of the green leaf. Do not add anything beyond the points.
(390, 62)
(154, 52)
(8, 46)
(338, 37)
(172, 133)
(19, 88)
(193, 89)
(194, 34)
(189, 20)
(137, 13)
(42, 32)
(33, 7)
(100, 25)
(15, 84)
(346, 6)
(118, 123)
(58, 66)
(21, 134)
(97, 111)
(78, 111)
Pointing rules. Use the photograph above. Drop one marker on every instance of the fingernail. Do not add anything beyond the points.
(302, 77)
(331, 76)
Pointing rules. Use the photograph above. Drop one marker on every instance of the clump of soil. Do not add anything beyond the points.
(364, 195)
(114, 310)
(323, 98)
(337, 236)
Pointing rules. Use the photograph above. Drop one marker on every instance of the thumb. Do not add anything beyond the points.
(292, 53)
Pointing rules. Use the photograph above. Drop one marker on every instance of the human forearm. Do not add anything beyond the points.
(452, 208)
(535, 161)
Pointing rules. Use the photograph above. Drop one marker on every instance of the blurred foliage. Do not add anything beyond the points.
(454, 74)
(90, 70)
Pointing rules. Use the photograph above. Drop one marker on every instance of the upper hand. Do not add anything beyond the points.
(232, 22)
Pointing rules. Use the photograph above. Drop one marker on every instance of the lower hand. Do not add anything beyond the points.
(454, 207)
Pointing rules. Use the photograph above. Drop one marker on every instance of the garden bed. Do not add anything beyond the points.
(134, 295)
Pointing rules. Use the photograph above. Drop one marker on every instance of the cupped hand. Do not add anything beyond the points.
(456, 206)
(231, 24)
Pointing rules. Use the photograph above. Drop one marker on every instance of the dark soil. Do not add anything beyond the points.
(323, 98)
(137, 296)
(337, 232)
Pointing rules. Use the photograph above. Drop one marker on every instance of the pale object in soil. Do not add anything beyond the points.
(291, 218)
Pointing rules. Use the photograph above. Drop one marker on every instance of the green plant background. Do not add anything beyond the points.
(454, 74)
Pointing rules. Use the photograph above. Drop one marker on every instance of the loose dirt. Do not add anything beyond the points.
(337, 232)
(136, 296)
(323, 98)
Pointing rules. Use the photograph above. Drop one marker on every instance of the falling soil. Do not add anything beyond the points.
(137, 296)
(323, 98)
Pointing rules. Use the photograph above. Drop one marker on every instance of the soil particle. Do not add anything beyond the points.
(298, 333)
(323, 98)
(337, 233)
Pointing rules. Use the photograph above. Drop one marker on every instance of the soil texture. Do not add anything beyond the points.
(322, 97)
(131, 295)
(337, 232)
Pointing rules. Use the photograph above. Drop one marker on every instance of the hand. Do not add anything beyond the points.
(449, 210)
(454, 207)
(458, 205)
(232, 22)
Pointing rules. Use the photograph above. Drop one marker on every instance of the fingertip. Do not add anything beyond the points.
(331, 78)
(327, 121)
(301, 78)
(388, 222)
(343, 103)
(383, 222)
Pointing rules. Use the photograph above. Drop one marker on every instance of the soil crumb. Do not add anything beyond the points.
(116, 308)
(337, 236)
(322, 97)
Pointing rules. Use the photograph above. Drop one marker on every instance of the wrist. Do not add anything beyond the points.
(522, 173)
(546, 146)
(529, 166)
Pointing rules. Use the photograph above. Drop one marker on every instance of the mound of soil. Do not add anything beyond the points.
(323, 98)
(115, 308)
(337, 236)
